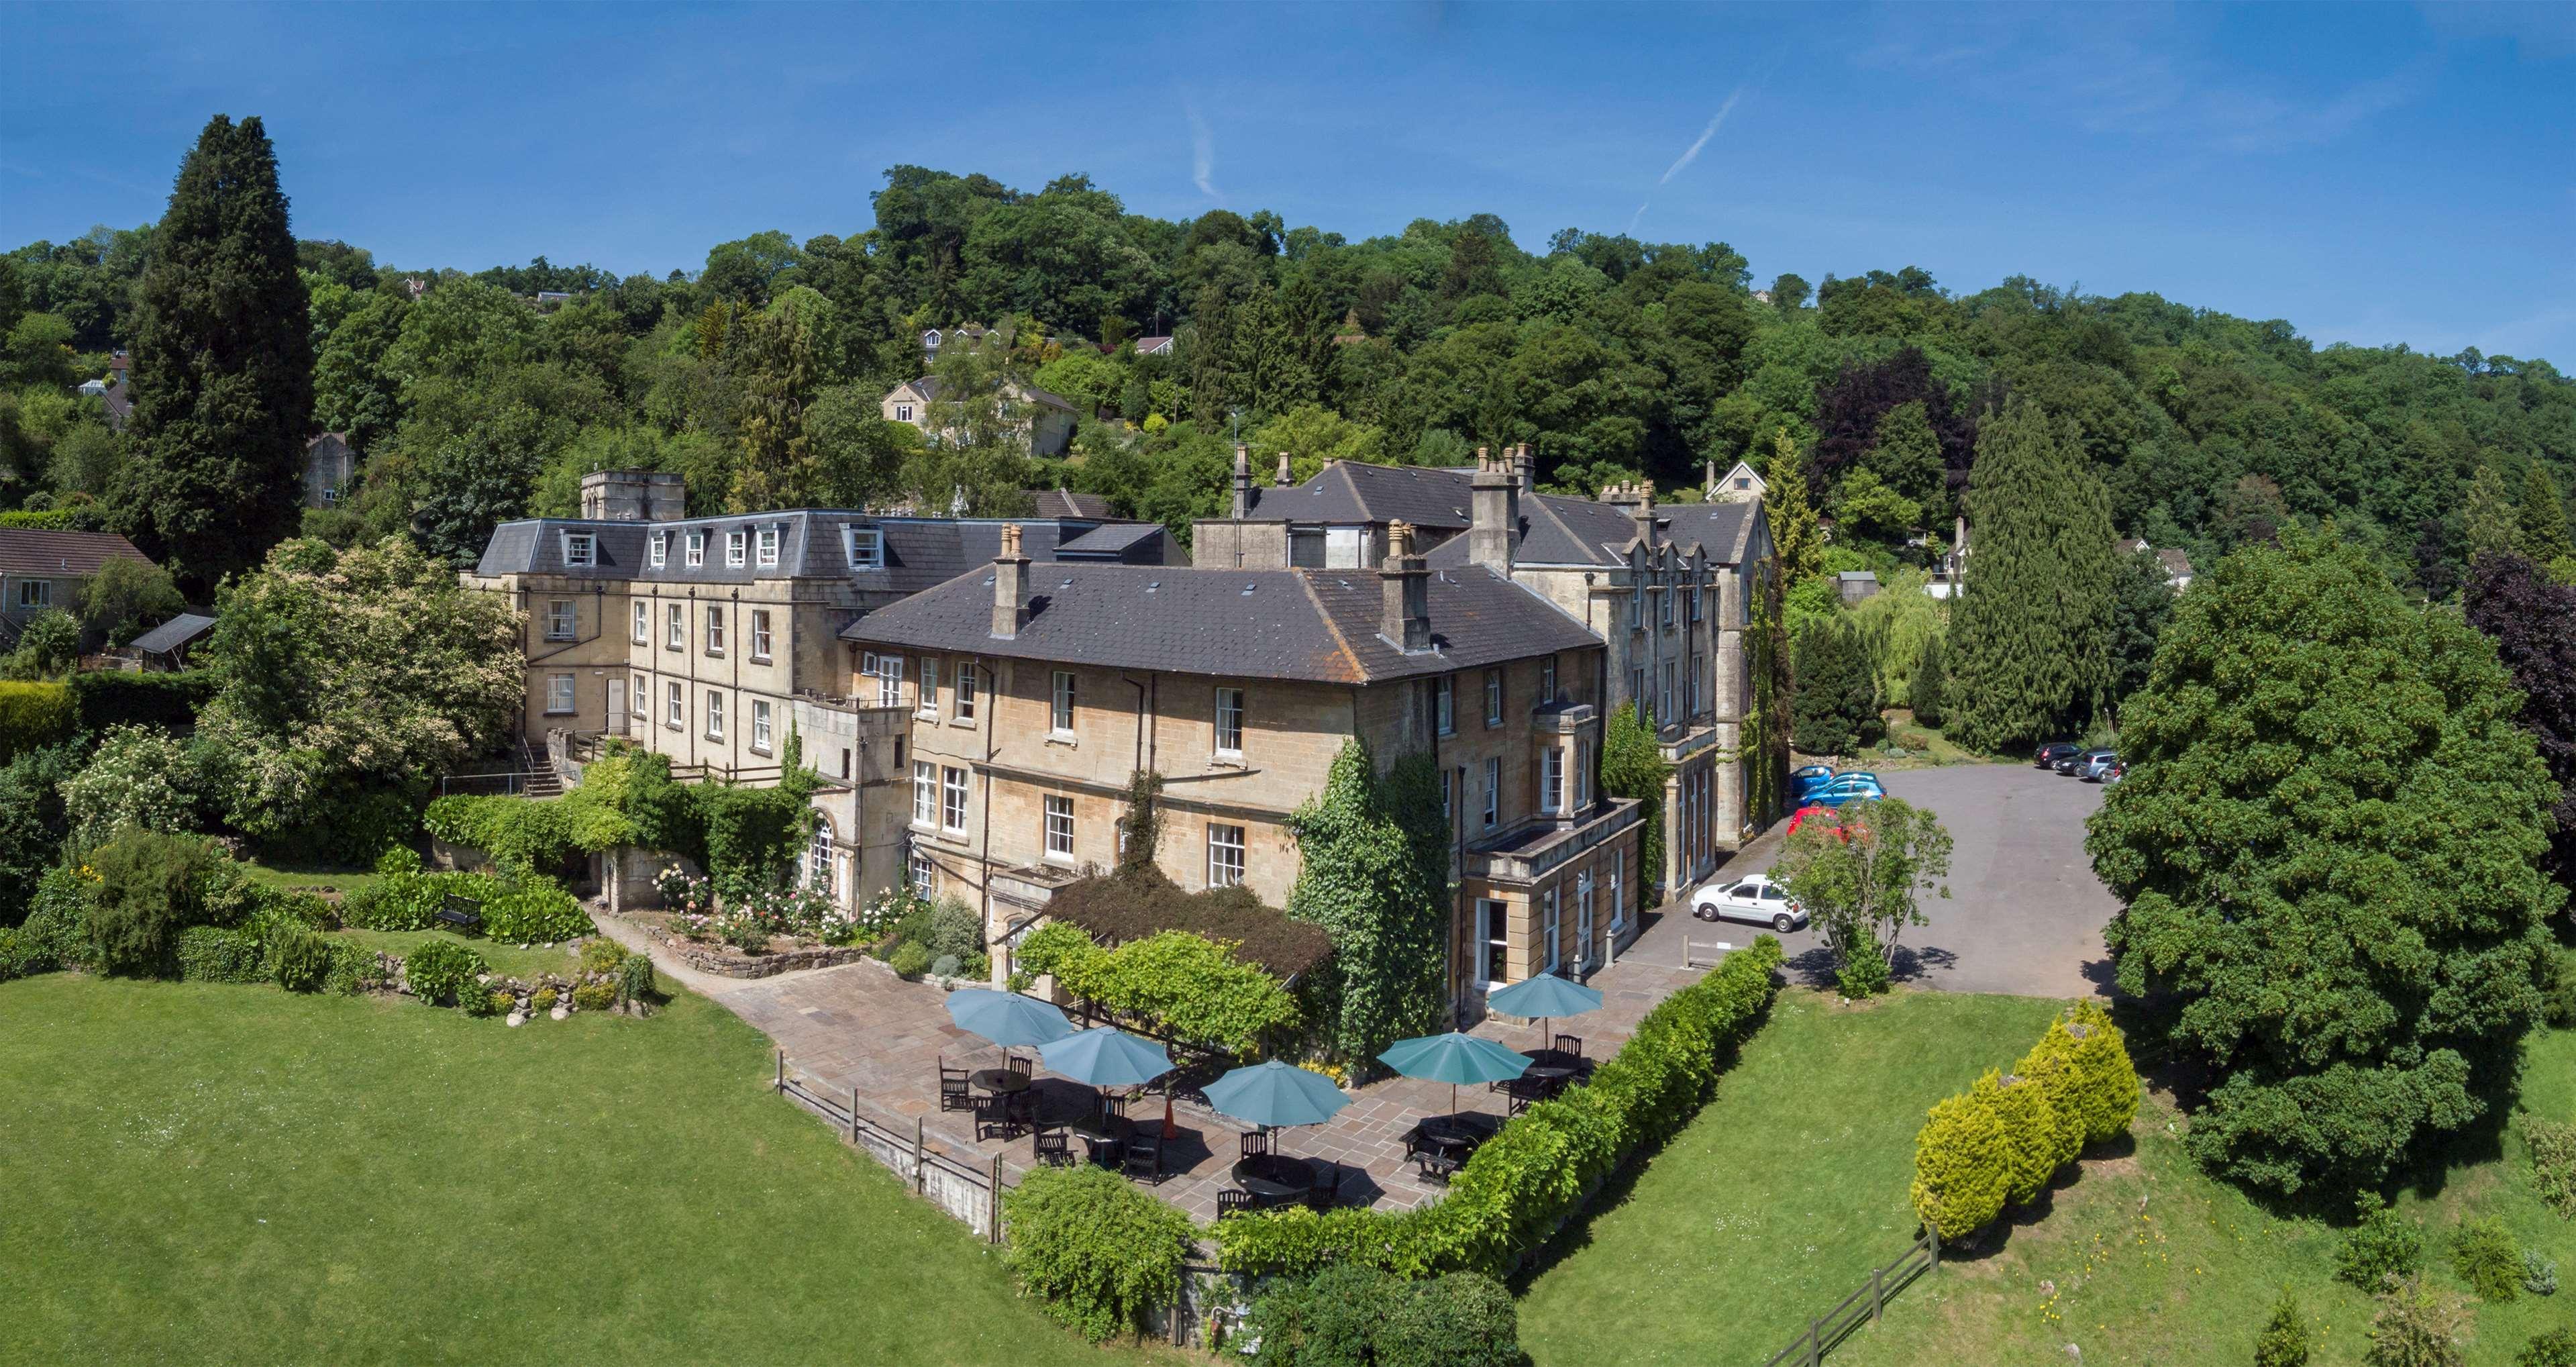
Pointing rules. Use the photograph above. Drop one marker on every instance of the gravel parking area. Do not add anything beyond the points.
(2025, 913)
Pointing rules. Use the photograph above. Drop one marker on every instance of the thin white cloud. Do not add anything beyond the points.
(1202, 155)
(1705, 134)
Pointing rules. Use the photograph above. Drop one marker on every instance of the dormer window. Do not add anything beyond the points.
(865, 547)
(697, 549)
(661, 549)
(736, 544)
(580, 549)
(768, 547)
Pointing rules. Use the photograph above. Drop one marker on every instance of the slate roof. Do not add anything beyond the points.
(119, 399)
(172, 634)
(1348, 491)
(1066, 503)
(1556, 530)
(928, 388)
(1112, 541)
(918, 551)
(1723, 530)
(1305, 624)
(68, 555)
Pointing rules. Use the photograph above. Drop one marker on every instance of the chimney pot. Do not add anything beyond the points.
(1284, 479)
(1010, 586)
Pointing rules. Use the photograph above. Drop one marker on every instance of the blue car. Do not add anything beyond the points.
(1809, 779)
(1848, 788)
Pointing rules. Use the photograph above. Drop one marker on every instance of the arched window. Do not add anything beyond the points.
(818, 859)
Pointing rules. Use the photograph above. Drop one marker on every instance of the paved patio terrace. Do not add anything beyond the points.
(861, 1027)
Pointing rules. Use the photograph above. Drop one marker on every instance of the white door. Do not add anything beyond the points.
(1547, 932)
(1583, 921)
(1494, 946)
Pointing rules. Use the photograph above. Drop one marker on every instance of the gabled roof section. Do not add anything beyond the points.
(1318, 626)
(1348, 491)
(172, 634)
(39, 553)
(1723, 530)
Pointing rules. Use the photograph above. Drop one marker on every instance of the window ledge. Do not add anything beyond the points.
(1063, 738)
(1227, 759)
(561, 712)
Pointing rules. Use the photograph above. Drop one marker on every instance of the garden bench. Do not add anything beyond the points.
(464, 913)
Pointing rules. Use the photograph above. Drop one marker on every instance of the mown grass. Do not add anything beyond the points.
(217, 1174)
(317, 877)
(1791, 1185)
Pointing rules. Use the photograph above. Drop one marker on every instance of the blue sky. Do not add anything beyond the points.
(2372, 173)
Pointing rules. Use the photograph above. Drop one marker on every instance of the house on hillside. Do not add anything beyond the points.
(330, 466)
(1042, 421)
(2176, 565)
(1665, 589)
(1035, 691)
(1740, 485)
(46, 569)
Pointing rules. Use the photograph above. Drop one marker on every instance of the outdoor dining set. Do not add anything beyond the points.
(1110, 1068)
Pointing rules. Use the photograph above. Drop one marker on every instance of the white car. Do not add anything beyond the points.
(1749, 899)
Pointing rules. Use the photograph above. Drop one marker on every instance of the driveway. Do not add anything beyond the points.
(2025, 913)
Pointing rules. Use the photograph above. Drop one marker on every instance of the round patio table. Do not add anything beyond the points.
(1273, 1178)
(999, 1081)
(1552, 1065)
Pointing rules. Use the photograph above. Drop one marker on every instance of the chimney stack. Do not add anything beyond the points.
(1524, 467)
(1708, 485)
(1642, 510)
(1406, 584)
(1284, 478)
(1242, 482)
(1495, 513)
(1010, 586)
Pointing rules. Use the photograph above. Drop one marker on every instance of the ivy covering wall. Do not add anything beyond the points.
(1376, 878)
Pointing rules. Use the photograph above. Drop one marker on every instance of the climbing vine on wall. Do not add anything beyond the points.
(1376, 878)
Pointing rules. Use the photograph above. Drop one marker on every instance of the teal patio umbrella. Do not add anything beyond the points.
(1455, 1058)
(1546, 996)
(1275, 1093)
(1006, 1018)
(1105, 1056)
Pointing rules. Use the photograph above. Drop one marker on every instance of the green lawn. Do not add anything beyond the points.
(1774, 1204)
(207, 1173)
(316, 877)
(503, 958)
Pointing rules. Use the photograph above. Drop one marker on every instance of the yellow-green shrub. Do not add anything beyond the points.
(2105, 1085)
(2048, 1066)
(1961, 1166)
(2030, 1133)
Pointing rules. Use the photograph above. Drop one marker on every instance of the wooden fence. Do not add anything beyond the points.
(968, 1187)
(1839, 1323)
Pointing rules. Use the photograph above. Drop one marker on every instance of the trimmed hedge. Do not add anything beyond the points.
(209, 955)
(33, 716)
(519, 834)
(1525, 1181)
(168, 701)
(535, 912)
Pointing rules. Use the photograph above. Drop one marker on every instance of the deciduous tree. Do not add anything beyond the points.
(1860, 879)
(2328, 848)
(2531, 617)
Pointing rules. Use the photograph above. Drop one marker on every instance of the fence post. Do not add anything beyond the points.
(779, 1084)
(1932, 1242)
(993, 1225)
(1815, 1342)
(854, 1115)
(1877, 1293)
(918, 1174)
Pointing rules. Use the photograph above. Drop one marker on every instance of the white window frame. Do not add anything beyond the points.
(1664, 695)
(961, 699)
(1551, 780)
(1493, 791)
(1550, 920)
(1664, 608)
(697, 548)
(1493, 942)
(1229, 723)
(1618, 904)
(715, 629)
(1448, 793)
(1583, 920)
(760, 633)
(889, 681)
(643, 623)
(767, 545)
(580, 550)
(737, 548)
(1225, 855)
(925, 794)
(1444, 705)
(1493, 697)
(923, 874)
(661, 549)
(1058, 820)
(863, 547)
(559, 695)
(1547, 681)
(925, 700)
(715, 715)
(1582, 776)
(676, 623)
(760, 725)
(1060, 704)
(954, 792)
(1636, 602)
(903, 411)
(675, 713)
(819, 870)
(563, 619)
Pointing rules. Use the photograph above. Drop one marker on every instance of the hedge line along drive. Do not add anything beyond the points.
(1522, 1183)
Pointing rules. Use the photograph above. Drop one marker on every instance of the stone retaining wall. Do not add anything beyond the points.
(710, 959)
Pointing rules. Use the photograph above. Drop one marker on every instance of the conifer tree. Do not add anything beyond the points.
(1925, 693)
(223, 367)
(1794, 536)
(2032, 627)
(2493, 525)
(2543, 519)
(1837, 699)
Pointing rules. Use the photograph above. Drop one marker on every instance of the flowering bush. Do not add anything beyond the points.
(684, 895)
(885, 911)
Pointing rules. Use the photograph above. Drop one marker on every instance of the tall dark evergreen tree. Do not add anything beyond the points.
(1926, 688)
(2544, 519)
(223, 367)
(2532, 620)
(1836, 711)
(2031, 632)
(2141, 599)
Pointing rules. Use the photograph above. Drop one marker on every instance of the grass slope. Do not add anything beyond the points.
(220, 1174)
(1791, 1185)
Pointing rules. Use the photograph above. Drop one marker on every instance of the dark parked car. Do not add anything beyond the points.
(2054, 751)
(2075, 763)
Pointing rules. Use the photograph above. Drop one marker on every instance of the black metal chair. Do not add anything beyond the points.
(954, 1093)
(1570, 1044)
(1327, 1191)
(1232, 1201)
(1025, 1067)
(993, 1117)
(1144, 1157)
(1054, 1147)
(1256, 1143)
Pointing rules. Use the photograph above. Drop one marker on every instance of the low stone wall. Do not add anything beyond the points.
(727, 964)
